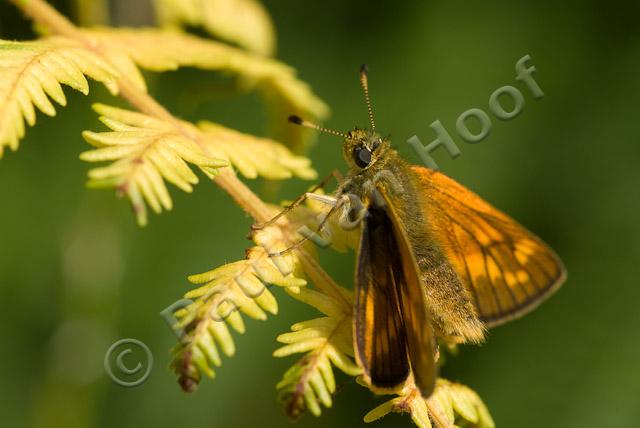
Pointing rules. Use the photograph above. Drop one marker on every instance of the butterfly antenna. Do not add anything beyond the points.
(364, 82)
(299, 121)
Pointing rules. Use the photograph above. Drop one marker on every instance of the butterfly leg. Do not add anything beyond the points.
(334, 174)
(339, 203)
(324, 199)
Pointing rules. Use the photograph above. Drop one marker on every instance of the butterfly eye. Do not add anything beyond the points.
(362, 157)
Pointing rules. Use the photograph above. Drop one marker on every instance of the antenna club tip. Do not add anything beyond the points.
(295, 119)
(364, 69)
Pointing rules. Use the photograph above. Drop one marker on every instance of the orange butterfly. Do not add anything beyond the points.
(434, 260)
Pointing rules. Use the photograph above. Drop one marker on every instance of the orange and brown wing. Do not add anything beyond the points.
(507, 269)
(421, 344)
(379, 336)
(392, 330)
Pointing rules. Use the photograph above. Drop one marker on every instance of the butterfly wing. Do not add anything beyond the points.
(421, 345)
(379, 336)
(507, 269)
(386, 262)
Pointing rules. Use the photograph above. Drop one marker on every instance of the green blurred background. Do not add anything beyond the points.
(76, 273)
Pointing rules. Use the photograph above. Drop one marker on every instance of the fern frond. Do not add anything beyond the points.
(450, 405)
(224, 293)
(254, 156)
(326, 341)
(144, 152)
(31, 72)
(244, 22)
(283, 91)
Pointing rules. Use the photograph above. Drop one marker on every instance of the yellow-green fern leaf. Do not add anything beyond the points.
(326, 342)
(222, 295)
(31, 73)
(254, 156)
(283, 91)
(450, 405)
(144, 152)
(244, 22)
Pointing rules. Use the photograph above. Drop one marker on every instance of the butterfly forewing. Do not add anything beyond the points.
(378, 326)
(421, 345)
(507, 269)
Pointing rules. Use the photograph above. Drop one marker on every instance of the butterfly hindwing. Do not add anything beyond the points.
(506, 268)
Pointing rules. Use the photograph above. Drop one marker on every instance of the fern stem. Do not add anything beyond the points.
(44, 14)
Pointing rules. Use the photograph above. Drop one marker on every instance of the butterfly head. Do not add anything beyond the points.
(361, 148)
